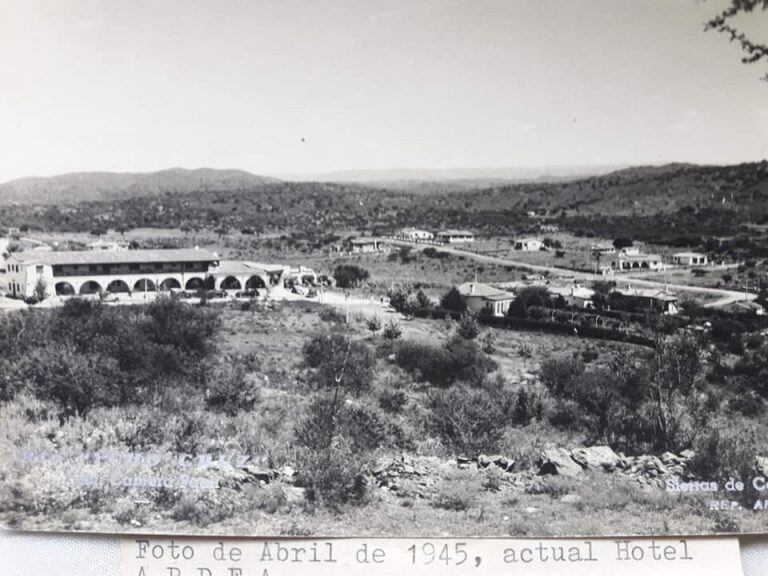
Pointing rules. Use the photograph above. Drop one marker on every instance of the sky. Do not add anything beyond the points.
(294, 86)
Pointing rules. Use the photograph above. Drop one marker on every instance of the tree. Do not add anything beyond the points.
(674, 388)
(392, 332)
(622, 242)
(41, 289)
(374, 325)
(349, 275)
(453, 301)
(722, 23)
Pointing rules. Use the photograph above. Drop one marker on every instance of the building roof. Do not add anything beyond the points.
(529, 239)
(82, 257)
(455, 233)
(688, 254)
(639, 257)
(483, 291)
(244, 268)
(363, 241)
(575, 291)
(647, 293)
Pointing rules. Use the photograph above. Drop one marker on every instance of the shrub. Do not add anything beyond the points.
(469, 420)
(335, 360)
(457, 491)
(334, 476)
(393, 400)
(456, 360)
(469, 327)
(231, 390)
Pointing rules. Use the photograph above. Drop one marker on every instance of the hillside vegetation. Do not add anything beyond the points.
(109, 186)
(711, 200)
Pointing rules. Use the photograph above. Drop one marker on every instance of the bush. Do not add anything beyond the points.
(724, 451)
(469, 420)
(231, 390)
(393, 400)
(469, 327)
(456, 360)
(335, 360)
(334, 476)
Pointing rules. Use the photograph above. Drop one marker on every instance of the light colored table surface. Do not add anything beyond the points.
(84, 555)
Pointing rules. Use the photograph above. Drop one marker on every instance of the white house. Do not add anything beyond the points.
(689, 259)
(364, 245)
(529, 245)
(455, 236)
(415, 235)
(636, 261)
(484, 299)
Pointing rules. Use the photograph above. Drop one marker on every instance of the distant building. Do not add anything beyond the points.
(301, 275)
(630, 251)
(455, 236)
(576, 295)
(245, 275)
(485, 299)
(602, 249)
(415, 235)
(646, 300)
(689, 259)
(637, 261)
(107, 245)
(529, 245)
(68, 273)
(364, 245)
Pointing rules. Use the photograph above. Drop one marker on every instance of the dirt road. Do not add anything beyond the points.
(725, 296)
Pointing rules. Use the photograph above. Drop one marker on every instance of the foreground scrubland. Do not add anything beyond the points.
(372, 426)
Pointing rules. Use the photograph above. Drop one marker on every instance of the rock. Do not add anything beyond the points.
(596, 458)
(558, 461)
(462, 460)
(668, 458)
(570, 499)
(761, 465)
(687, 454)
(288, 473)
(260, 474)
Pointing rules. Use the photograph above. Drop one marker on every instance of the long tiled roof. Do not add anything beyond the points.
(484, 291)
(115, 257)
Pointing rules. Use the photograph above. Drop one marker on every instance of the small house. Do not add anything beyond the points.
(484, 299)
(529, 245)
(689, 259)
(455, 236)
(364, 245)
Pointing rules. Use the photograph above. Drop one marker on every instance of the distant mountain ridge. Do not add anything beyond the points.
(105, 186)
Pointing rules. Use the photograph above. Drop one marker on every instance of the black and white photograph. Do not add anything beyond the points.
(424, 268)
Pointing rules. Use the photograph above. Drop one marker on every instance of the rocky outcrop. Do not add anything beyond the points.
(559, 461)
(597, 458)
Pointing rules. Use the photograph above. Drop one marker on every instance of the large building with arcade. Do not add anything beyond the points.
(28, 274)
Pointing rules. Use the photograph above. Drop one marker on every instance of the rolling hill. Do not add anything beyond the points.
(113, 186)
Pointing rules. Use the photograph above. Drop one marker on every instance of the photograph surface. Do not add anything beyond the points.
(475, 268)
